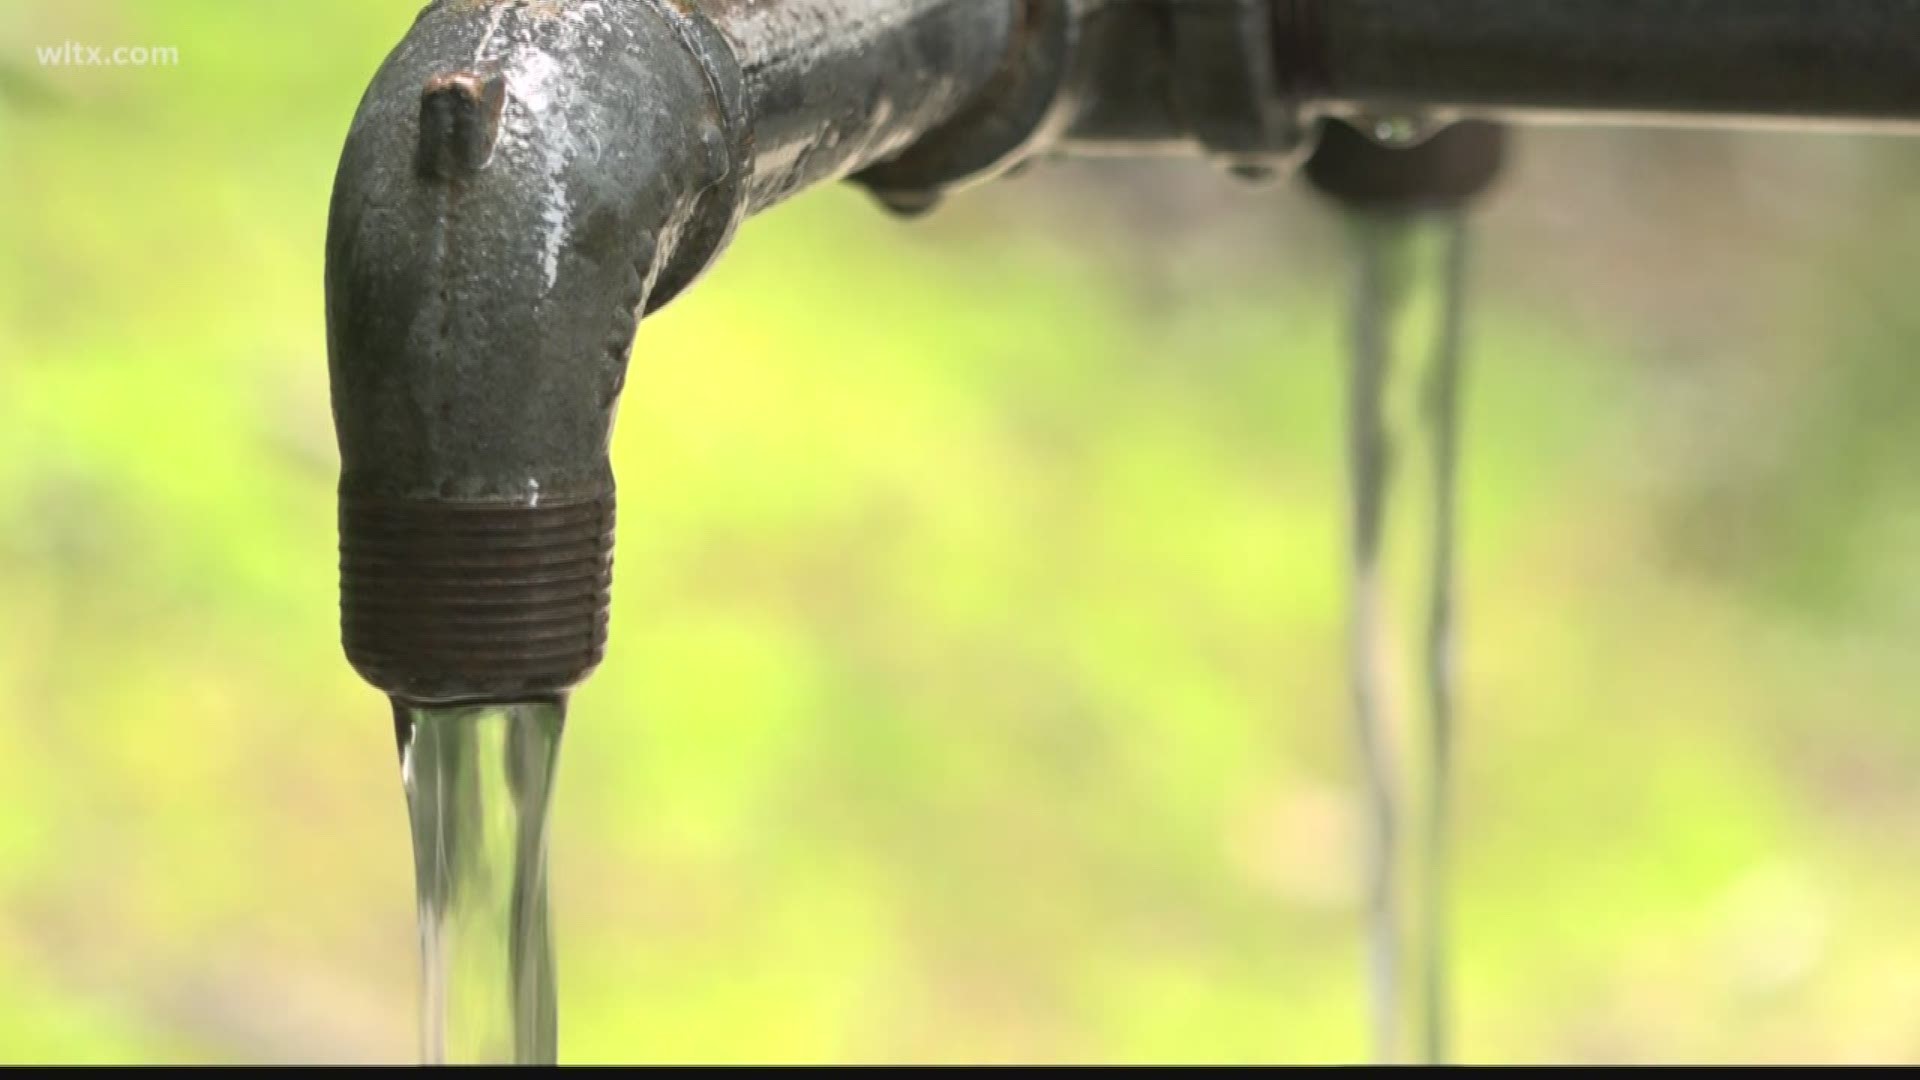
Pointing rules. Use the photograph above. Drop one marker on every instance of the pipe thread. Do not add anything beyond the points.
(444, 601)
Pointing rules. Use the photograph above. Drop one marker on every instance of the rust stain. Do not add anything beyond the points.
(459, 123)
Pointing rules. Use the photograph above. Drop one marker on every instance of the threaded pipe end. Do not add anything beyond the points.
(445, 601)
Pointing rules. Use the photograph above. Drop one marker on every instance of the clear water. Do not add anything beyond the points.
(1403, 453)
(478, 780)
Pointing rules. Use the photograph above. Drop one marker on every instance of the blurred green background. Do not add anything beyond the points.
(976, 684)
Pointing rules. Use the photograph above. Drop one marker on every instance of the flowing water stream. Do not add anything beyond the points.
(1403, 454)
(478, 780)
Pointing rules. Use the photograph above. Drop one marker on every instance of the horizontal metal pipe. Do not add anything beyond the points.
(1850, 62)
(835, 85)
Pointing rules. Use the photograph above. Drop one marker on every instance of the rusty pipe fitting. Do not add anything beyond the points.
(1121, 77)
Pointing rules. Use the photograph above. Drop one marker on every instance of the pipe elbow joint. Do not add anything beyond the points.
(522, 182)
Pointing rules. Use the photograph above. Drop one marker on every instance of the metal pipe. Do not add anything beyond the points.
(523, 181)
(835, 85)
(1830, 62)
(526, 178)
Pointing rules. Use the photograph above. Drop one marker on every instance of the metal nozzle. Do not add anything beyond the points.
(1453, 167)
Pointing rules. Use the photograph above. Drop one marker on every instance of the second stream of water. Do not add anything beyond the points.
(478, 782)
(1403, 453)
